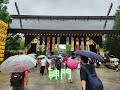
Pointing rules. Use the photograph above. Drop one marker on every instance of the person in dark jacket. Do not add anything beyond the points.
(83, 74)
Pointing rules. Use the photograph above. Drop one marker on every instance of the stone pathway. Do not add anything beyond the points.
(110, 79)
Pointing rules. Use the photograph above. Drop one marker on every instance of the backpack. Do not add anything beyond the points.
(16, 79)
(58, 64)
(94, 83)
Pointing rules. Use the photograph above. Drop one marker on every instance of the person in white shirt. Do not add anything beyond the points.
(43, 64)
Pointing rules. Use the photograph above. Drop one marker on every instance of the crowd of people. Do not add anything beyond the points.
(58, 62)
(61, 62)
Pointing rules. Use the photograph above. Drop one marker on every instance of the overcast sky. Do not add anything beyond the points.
(63, 7)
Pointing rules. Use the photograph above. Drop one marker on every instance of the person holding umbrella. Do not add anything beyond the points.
(83, 74)
(89, 78)
(19, 80)
(72, 64)
(18, 66)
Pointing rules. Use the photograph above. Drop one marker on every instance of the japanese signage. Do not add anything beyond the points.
(53, 44)
(82, 43)
(72, 43)
(59, 74)
(3, 34)
(77, 44)
(48, 44)
(43, 44)
(58, 44)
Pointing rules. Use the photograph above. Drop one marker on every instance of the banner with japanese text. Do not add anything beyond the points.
(72, 43)
(77, 44)
(58, 44)
(82, 43)
(3, 35)
(38, 44)
(53, 44)
(43, 45)
(48, 45)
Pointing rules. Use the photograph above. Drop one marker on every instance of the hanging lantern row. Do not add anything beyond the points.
(1, 59)
(3, 25)
(2, 39)
(2, 43)
(3, 31)
(72, 34)
(113, 34)
(3, 35)
(2, 52)
(1, 55)
(2, 47)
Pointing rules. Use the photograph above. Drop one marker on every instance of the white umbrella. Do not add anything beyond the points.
(114, 59)
(32, 55)
(41, 56)
(17, 63)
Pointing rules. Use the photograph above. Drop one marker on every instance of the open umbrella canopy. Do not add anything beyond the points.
(32, 55)
(17, 63)
(89, 54)
(41, 56)
(71, 63)
(114, 59)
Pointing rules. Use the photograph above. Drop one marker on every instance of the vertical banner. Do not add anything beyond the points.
(77, 44)
(43, 45)
(3, 34)
(38, 44)
(48, 45)
(72, 43)
(67, 45)
(82, 43)
(53, 44)
(87, 44)
(58, 44)
(67, 41)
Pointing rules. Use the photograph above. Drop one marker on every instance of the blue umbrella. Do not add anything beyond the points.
(89, 54)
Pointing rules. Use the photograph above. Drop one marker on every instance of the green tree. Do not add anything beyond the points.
(68, 49)
(112, 44)
(13, 42)
(117, 19)
(4, 15)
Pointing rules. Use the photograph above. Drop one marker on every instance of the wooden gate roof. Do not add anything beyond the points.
(63, 25)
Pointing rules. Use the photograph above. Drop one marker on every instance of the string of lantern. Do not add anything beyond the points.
(3, 35)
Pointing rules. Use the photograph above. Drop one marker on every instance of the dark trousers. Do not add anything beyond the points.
(18, 88)
(42, 69)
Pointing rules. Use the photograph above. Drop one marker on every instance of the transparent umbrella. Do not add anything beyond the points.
(17, 63)
(32, 55)
(41, 56)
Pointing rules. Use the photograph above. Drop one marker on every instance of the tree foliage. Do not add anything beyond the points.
(117, 19)
(112, 44)
(13, 42)
(68, 49)
(4, 15)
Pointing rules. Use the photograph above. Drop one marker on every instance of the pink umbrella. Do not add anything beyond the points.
(71, 63)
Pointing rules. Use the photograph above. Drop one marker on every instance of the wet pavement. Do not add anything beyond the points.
(110, 79)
